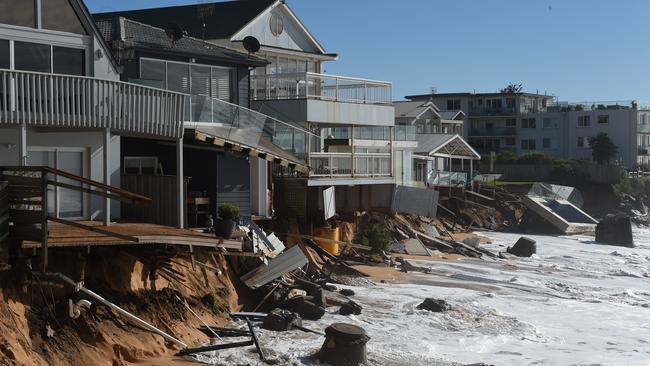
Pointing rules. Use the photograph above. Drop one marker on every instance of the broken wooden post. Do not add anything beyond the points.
(256, 340)
(215, 347)
(345, 345)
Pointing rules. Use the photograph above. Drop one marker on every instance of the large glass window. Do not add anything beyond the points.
(200, 90)
(220, 83)
(69, 61)
(5, 55)
(152, 73)
(178, 80)
(32, 57)
(60, 16)
(18, 12)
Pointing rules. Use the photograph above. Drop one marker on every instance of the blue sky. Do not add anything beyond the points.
(578, 50)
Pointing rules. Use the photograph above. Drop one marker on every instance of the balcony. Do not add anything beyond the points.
(493, 132)
(52, 100)
(489, 111)
(320, 98)
(339, 165)
(402, 133)
(643, 128)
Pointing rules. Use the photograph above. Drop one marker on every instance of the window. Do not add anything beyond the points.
(220, 83)
(32, 57)
(510, 102)
(69, 61)
(152, 73)
(581, 142)
(583, 121)
(528, 123)
(59, 15)
(140, 165)
(276, 24)
(528, 144)
(5, 55)
(643, 119)
(546, 123)
(546, 143)
(453, 104)
(494, 103)
(603, 119)
(18, 12)
(510, 141)
(511, 122)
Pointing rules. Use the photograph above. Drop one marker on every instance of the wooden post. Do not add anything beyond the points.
(44, 229)
(181, 183)
(449, 176)
(107, 175)
(471, 169)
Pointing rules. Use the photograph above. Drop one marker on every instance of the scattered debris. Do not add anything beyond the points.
(286, 262)
(214, 347)
(524, 247)
(434, 305)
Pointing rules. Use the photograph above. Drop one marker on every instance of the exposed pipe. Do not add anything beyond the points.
(79, 287)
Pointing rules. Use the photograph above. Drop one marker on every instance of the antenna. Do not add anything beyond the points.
(251, 44)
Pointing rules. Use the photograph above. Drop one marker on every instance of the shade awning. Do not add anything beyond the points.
(263, 149)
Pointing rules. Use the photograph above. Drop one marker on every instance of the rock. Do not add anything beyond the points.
(329, 287)
(350, 307)
(435, 305)
(319, 297)
(344, 345)
(524, 247)
(296, 292)
(473, 241)
(346, 292)
(280, 320)
(309, 310)
(615, 230)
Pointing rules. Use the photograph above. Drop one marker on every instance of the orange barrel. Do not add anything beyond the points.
(327, 233)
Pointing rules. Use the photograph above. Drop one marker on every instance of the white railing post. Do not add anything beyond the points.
(107, 175)
(180, 181)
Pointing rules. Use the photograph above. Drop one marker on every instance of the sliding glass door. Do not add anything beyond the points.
(62, 202)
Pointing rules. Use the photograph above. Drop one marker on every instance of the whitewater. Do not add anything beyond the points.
(573, 303)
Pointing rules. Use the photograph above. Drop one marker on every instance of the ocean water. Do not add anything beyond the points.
(573, 303)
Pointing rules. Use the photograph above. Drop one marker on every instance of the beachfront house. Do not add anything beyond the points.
(350, 139)
(228, 149)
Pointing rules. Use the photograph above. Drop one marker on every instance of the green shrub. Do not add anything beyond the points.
(228, 211)
(534, 158)
(376, 237)
(631, 186)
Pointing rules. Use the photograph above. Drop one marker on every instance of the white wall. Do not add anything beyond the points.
(91, 142)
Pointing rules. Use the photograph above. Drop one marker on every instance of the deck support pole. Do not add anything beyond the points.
(107, 175)
(22, 148)
(353, 163)
(180, 181)
(471, 169)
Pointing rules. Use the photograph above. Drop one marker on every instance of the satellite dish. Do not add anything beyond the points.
(174, 32)
(251, 44)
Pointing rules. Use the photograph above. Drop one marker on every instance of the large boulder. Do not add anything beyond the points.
(350, 307)
(280, 320)
(434, 305)
(524, 247)
(615, 230)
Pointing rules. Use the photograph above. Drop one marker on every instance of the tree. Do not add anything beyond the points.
(512, 88)
(602, 148)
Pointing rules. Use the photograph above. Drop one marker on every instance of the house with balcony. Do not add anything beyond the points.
(349, 138)
(441, 157)
(492, 120)
(228, 150)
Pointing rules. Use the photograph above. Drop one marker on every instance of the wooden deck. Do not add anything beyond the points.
(60, 235)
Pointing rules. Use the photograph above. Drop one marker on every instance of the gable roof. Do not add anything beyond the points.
(221, 19)
(452, 115)
(440, 144)
(408, 109)
(143, 36)
(87, 20)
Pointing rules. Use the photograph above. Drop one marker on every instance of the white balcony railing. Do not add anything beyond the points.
(308, 85)
(53, 100)
(339, 165)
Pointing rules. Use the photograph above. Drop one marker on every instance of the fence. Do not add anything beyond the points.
(162, 210)
(340, 165)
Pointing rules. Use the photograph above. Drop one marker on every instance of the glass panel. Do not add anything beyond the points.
(4, 54)
(60, 16)
(70, 201)
(220, 83)
(69, 61)
(200, 91)
(32, 57)
(18, 12)
(44, 158)
(178, 80)
(153, 72)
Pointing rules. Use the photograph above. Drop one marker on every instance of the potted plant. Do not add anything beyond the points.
(225, 225)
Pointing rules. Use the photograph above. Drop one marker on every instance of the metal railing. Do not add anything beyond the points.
(592, 106)
(320, 86)
(54, 100)
(337, 165)
(402, 133)
(448, 178)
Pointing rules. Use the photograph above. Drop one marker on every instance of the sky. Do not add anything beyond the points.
(577, 50)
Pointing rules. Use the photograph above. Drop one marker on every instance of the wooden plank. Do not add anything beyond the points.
(94, 229)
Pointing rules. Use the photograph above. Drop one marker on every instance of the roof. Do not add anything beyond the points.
(452, 115)
(440, 144)
(466, 94)
(143, 36)
(87, 20)
(413, 109)
(228, 17)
